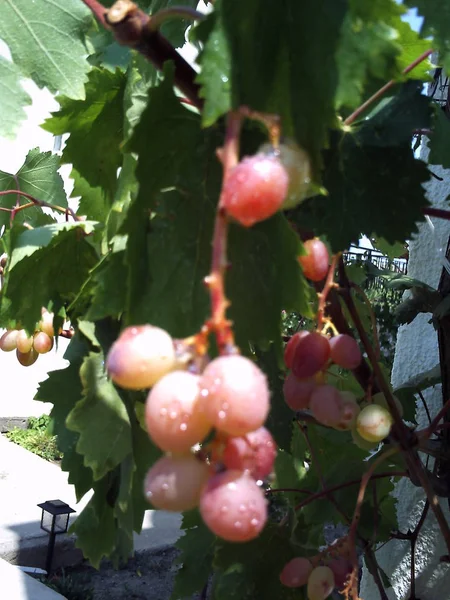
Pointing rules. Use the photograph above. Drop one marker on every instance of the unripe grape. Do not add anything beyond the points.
(315, 262)
(292, 344)
(341, 568)
(374, 423)
(380, 399)
(345, 351)
(233, 506)
(140, 357)
(8, 341)
(42, 343)
(296, 572)
(320, 583)
(361, 442)
(297, 164)
(235, 394)
(24, 341)
(310, 355)
(255, 189)
(326, 405)
(46, 323)
(174, 483)
(297, 392)
(26, 359)
(254, 452)
(174, 414)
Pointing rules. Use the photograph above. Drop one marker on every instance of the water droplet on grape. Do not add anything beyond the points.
(238, 524)
(224, 509)
(254, 522)
(242, 508)
(222, 414)
(183, 427)
(165, 486)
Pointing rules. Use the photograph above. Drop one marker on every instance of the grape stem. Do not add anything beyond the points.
(323, 295)
(35, 202)
(373, 318)
(229, 156)
(174, 12)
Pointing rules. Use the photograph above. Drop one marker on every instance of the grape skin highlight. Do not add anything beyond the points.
(235, 395)
(173, 412)
(233, 506)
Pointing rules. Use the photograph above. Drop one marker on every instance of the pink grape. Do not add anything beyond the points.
(297, 392)
(296, 572)
(46, 323)
(292, 344)
(326, 405)
(315, 262)
(24, 341)
(311, 355)
(173, 412)
(374, 423)
(255, 189)
(27, 359)
(8, 341)
(254, 452)
(42, 343)
(174, 483)
(320, 583)
(345, 351)
(140, 357)
(235, 394)
(233, 506)
(341, 568)
(349, 413)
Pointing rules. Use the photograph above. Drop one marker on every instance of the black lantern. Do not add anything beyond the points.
(54, 520)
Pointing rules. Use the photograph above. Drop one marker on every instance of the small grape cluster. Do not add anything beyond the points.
(322, 573)
(189, 399)
(28, 347)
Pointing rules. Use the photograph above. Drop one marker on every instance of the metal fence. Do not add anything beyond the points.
(364, 256)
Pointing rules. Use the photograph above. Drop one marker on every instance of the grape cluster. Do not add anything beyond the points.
(229, 395)
(322, 573)
(28, 347)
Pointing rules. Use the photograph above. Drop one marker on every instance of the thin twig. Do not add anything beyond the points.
(323, 295)
(37, 202)
(425, 405)
(437, 212)
(98, 9)
(177, 12)
(350, 119)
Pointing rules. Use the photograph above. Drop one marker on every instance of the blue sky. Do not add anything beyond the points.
(412, 18)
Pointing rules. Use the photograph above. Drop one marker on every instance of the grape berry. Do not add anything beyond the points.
(316, 261)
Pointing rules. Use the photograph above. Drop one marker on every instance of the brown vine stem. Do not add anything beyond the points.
(437, 212)
(36, 202)
(365, 105)
(323, 295)
(373, 318)
(131, 27)
(357, 513)
(405, 437)
(229, 156)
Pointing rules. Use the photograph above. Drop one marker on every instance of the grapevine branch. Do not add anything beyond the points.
(35, 202)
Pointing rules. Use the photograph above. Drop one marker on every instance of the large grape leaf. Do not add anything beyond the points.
(54, 261)
(168, 255)
(436, 24)
(39, 177)
(370, 173)
(438, 144)
(68, 379)
(101, 419)
(96, 128)
(13, 99)
(46, 40)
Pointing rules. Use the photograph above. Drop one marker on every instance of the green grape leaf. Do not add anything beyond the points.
(37, 258)
(67, 379)
(95, 528)
(396, 250)
(54, 54)
(13, 99)
(215, 74)
(101, 419)
(141, 76)
(93, 203)
(96, 129)
(197, 551)
(436, 24)
(250, 570)
(438, 144)
(108, 298)
(39, 177)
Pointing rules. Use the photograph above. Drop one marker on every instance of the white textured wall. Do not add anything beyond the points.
(417, 352)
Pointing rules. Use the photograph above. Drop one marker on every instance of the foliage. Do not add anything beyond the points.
(71, 586)
(36, 438)
(143, 142)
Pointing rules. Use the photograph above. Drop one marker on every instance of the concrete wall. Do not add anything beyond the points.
(416, 353)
